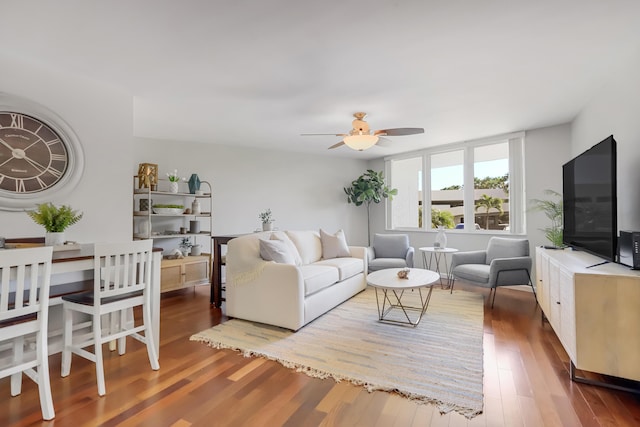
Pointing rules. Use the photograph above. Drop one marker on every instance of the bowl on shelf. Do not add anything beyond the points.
(163, 210)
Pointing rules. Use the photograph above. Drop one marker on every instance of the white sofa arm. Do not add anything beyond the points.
(362, 253)
(274, 296)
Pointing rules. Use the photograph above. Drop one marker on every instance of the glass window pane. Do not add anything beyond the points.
(491, 182)
(406, 176)
(447, 199)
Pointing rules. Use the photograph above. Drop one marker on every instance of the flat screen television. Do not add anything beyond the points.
(589, 201)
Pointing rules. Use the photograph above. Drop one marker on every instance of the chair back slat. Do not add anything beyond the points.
(25, 276)
(123, 268)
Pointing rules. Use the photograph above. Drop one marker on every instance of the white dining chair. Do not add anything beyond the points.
(122, 278)
(25, 276)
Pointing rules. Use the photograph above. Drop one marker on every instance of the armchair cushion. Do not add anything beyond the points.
(476, 273)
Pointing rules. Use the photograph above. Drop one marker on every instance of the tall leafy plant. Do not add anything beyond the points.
(552, 208)
(370, 187)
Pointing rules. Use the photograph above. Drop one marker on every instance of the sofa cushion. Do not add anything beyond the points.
(279, 235)
(308, 245)
(334, 245)
(382, 263)
(318, 277)
(347, 267)
(276, 250)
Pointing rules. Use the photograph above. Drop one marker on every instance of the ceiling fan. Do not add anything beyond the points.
(361, 138)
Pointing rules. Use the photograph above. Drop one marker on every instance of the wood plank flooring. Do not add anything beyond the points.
(526, 383)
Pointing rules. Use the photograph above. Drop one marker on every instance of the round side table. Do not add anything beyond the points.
(436, 255)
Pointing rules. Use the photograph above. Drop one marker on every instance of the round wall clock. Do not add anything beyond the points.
(40, 155)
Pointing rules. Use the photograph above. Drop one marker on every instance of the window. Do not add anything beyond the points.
(474, 186)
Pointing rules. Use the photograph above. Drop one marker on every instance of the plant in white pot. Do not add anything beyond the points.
(55, 220)
(267, 220)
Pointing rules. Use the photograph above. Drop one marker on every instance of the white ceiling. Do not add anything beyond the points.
(260, 73)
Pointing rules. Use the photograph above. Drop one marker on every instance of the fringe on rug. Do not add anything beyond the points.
(443, 407)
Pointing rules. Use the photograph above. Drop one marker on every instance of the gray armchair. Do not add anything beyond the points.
(390, 251)
(505, 262)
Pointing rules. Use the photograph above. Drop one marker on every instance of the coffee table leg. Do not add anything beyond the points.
(384, 309)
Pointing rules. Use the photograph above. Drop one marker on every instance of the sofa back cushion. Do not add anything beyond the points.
(276, 250)
(308, 244)
(282, 236)
(334, 245)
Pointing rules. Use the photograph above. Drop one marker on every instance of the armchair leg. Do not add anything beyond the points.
(495, 291)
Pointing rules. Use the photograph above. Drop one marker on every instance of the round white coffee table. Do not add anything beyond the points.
(393, 288)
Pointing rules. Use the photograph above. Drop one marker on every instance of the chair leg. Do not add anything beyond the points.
(122, 325)
(67, 318)
(44, 387)
(495, 291)
(97, 349)
(16, 379)
(453, 281)
(148, 337)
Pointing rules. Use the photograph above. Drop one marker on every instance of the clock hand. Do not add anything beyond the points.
(34, 164)
(5, 144)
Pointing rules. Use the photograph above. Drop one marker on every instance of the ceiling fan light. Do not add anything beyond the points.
(360, 142)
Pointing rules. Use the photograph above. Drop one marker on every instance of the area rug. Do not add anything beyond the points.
(438, 362)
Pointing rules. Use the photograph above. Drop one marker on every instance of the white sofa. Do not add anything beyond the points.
(289, 293)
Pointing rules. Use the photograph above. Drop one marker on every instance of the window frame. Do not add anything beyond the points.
(517, 195)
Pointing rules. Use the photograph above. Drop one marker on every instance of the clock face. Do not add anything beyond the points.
(33, 157)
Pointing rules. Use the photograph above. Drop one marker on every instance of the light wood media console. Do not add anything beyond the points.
(594, 311)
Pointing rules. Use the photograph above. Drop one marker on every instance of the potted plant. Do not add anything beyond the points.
(55, 220)
(369, 187)
(553, 210)
(267, 220)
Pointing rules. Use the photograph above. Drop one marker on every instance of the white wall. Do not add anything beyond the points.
(302, 191)
(102, 117)
(615, 110)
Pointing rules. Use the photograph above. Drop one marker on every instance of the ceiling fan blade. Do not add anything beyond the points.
(325, 134)
(336, 145)
(384, 142)
(399, 131)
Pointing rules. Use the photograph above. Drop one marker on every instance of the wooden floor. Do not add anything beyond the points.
(526, 383)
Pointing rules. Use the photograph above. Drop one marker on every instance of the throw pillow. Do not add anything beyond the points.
(292, 248)
(334, 245)
(276, 250)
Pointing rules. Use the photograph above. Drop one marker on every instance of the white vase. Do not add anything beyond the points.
(173, 187)
(54, 239)
(441, 239)
(145, 228)
(267, 226)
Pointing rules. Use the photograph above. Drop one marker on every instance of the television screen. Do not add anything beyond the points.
(589, 200)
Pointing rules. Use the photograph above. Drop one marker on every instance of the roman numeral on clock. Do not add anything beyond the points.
(17, 120)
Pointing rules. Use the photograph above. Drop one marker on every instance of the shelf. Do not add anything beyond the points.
(145, 192)
(146, 213)
(170, 236)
